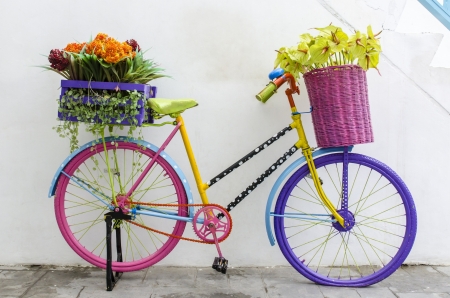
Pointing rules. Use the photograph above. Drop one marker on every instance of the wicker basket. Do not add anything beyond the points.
(341, 115)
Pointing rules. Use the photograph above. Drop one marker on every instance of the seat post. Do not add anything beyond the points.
(190, 153)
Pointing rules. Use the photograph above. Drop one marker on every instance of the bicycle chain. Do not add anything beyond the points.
(182, 205)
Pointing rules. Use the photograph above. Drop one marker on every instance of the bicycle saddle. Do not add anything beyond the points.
(171, 106)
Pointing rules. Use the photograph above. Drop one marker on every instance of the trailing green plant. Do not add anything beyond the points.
(330, 47)
(106, 108)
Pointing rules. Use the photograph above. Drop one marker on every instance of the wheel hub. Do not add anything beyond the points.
(123, 202)
(349, 221)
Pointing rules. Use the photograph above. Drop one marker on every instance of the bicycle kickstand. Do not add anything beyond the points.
(220, 263)
(111, 278)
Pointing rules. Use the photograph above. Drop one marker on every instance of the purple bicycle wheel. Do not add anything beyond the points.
(80, 216)
(380, 209)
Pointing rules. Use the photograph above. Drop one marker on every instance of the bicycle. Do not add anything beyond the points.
(341, 218)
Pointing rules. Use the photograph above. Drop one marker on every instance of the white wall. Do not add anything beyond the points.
(220, 54)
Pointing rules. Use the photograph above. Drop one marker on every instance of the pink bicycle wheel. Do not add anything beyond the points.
(80, 215)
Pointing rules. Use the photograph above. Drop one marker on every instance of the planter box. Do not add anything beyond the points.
(144, 115)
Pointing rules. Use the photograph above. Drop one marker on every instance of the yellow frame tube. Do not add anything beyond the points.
(190, 153)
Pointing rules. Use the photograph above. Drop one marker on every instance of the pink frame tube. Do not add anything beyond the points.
(149, 166)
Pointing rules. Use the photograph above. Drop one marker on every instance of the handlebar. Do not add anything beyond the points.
(273, 86)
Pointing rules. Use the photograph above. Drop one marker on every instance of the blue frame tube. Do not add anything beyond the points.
(81, 184)
(303, 216)
(165, 215)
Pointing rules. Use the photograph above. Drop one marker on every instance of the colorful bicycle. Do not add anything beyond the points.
(341, 218)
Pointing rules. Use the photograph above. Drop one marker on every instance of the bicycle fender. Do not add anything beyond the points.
(163, 154)
(283, 176)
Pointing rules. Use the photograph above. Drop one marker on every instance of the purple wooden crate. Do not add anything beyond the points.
(144, 115)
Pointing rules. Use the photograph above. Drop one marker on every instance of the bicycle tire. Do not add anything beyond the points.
(312, 245)
(80, 215)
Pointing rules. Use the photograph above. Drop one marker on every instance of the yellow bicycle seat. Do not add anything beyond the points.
(171, 106)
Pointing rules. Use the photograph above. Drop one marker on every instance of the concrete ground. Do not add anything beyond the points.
(44, 281)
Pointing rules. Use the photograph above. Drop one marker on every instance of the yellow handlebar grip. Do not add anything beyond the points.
(267, 92)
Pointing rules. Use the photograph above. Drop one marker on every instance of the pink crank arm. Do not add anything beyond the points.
(149, 166)
(212, 227)
(220, 263)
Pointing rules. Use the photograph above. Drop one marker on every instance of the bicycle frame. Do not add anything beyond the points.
(302, 144)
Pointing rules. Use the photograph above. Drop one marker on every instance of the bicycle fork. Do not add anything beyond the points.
(307, 152)
(312, 169)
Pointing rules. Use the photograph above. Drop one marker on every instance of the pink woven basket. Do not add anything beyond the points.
(341, 115)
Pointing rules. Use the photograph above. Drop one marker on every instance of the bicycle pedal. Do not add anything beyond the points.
(216, 263)
(220, 264)
(224, 266)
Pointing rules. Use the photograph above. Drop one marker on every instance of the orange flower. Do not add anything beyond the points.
(74, 47)
(96, 47)
(102, 36)
(109, 49)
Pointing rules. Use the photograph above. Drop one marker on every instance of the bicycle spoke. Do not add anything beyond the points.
(325, 247)
(311, 241)
(105, 163)
(88, 186)
(354, 181)
(140, 242)
(103, 241)
(363, 190)
(76, 204)
(372, 192)
(321, 245)
(87, 229)
(332, 181)
(95, 181)
(134, 171)
(313, 191)
(381, 200)
(400, 236)
(82, 223)
(345, 255)
(332, 265)
(150, 187)
(383, 220)
(382, 212)
(150, 233)
(312, 225)
(364, 250)
(306, 200)
(373, 239)
(116, 165)
(83, 212)
(93, 223)
(373, 247)
(301, 225)
(316, 196)
(353, 258)
(146, 177)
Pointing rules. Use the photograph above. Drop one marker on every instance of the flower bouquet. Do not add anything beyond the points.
(106, 83)
(334, 65)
